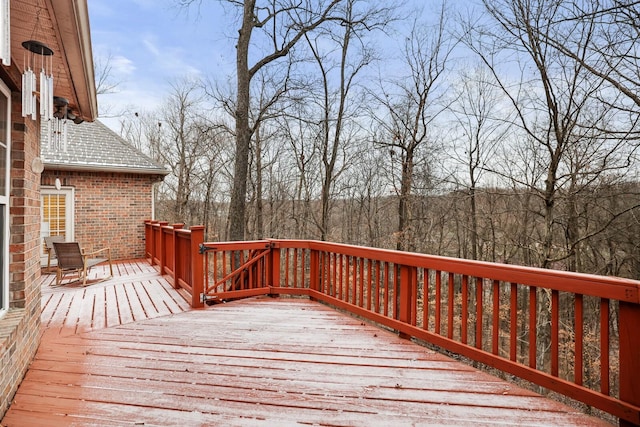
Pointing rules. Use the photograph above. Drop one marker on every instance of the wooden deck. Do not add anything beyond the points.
(129, 351)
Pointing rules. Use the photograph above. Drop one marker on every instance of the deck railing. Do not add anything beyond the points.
(176, 252)
(574, 334)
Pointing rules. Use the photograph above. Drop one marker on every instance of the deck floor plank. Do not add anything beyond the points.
(133, 353)
(439, 380)
(144, 300)
(99, 309)
(111, 307)
(87, 311)
(50, 302)
(124, 305)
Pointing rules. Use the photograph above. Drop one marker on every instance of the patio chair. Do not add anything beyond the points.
(73, 260)
(51, 255)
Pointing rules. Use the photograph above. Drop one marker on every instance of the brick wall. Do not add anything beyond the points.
(110, 209)
(20, 327)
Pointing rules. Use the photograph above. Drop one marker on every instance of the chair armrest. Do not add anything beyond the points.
(91, 254)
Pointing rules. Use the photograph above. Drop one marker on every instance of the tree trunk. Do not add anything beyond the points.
(474, 221)
(259, 224)
(237, 205)
(549, 208)
(404, 206)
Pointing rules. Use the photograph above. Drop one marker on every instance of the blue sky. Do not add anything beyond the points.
(152, 42)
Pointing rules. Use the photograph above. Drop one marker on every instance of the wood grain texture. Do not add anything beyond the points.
(130, 352)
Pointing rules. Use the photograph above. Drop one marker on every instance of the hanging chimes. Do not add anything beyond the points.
(38, 54)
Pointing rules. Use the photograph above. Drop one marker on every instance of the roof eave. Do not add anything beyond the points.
(72, 25)
(109, 169)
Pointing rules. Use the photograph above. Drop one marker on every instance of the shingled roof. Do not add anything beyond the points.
(92, 146)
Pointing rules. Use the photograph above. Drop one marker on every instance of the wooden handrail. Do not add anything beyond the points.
(512, 318)
(480, 310)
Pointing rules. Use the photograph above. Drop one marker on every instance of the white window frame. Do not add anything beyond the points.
(69, 192)
(4, 205)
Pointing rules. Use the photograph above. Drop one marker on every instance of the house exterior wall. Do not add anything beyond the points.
(110, 209)
(20, 327)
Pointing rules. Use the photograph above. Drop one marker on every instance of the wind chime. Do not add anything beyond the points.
(57, 126)
(53, 110)
(35, 51)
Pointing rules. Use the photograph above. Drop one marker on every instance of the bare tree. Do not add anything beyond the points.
(611, 53)
(283, 23)
(106, 82)
(559, 107)
(298, 130)
(180, 140)
(412, 110)
(481, 122)
(338, 107)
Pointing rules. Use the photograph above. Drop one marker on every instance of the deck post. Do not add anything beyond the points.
(147, 239)
(630, 358)
(162, 244)
(274, 265)
(314, 270)
(157, 238)
(197, 266)
(407, 276)
(177, 255)
(151, 244)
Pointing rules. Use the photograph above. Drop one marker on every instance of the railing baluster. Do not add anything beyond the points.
(251, 273)
(533, 335)
(354, 282)
(326, 277)
(450, 307)
(555, 332)
(414, 296)
(206, 273)
(513, 328)
(224, 268)
(376, 294)
(464, 309)
(604, 346)
(361, 291)
(385, 282)
(369, 284)
(438, 301)
(579, 330)
(358, 282)
(215, 269)
(425, 299)
(322, 260)
(287, 264)
(479, 314)
(296, 272)
(341, 290)
(341, 283)
(394, 270)
(340, 294)
(495, 338)
(334, 282)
